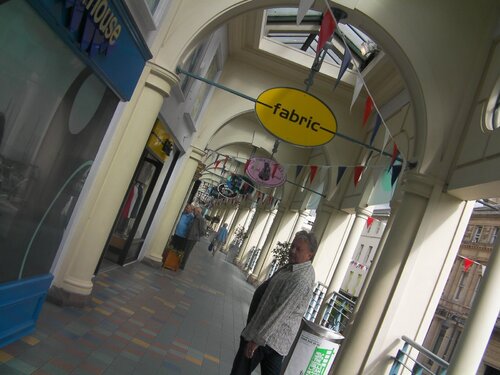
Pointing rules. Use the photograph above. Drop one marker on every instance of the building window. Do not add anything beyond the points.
(358, 256)
(494, 235)
(439, 339)
(367, 255)
(461, 284)
(477, 234)
(475, 290)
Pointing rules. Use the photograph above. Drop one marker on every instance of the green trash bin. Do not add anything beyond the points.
(313, 350)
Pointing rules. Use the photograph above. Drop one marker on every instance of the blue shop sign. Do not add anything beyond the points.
(104, 35)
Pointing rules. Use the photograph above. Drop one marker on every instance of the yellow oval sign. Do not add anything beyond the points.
(296, 116)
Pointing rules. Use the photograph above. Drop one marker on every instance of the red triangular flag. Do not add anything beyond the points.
(358, 171)
(314, 170)
(216, 164)
(368, 109)
(467, 264)
(395, 153)
(275, 168)
(328, 25)
(369, 222)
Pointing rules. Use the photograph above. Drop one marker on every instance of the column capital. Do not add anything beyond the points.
(161, 79)
(363, 213)
(418, 184)
(196, 154)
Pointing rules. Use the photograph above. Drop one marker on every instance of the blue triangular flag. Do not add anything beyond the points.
(396, 170)
(340, 173)
(345, 64)
(298, 169)
(378, 121)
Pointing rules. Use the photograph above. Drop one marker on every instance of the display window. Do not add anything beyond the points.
(54, 112)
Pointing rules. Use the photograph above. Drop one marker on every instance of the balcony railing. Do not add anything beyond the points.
(338, 312)
(405, 361)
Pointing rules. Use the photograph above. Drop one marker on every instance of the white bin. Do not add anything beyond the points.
(313, 350)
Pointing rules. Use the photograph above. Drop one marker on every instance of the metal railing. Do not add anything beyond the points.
(338, 312)
(316, 301)
(404, 363)
(253, 256)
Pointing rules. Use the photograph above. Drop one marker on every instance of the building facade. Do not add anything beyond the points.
(461, 289)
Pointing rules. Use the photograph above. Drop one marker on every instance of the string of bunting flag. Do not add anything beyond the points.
(313, 169)
(328, 27)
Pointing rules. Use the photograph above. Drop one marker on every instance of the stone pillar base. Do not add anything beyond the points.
(252, 279)
(61, 297)
(152, 262)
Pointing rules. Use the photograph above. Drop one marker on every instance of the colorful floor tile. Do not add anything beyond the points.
(142, 320)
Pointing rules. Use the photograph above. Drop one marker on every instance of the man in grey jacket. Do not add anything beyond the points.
(196, 231)
(276, 311)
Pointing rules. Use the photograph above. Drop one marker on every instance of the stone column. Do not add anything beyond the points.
(272, 221)
(409, 277)
(481, 321)
(280, 231)
(331, 244)
(109, 182)
(253, 232)
(362, 214)
(167, 215)
(323, 214)
(239, 220)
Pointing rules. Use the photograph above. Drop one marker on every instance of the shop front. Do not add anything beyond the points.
(142, 199)
(62, 75)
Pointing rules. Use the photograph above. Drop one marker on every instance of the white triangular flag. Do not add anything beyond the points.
(304, 6)
(386, 139)
(357, 89)
(483, 268)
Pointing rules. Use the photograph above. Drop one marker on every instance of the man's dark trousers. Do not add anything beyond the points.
(270, 361)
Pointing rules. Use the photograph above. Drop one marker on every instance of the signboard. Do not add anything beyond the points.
(313, 355)
(240, 184)
(103, 35)
(225, 191)
(296, 116)
(159, 142)
(266, 172)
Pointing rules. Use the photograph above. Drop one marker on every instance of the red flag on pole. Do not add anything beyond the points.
(369, 222)
(368, 109)
(467, 264)
(314, 170)
(358, 171)
(328, 26)
(216, 164)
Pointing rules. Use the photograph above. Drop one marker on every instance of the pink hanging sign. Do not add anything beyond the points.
(266, 172)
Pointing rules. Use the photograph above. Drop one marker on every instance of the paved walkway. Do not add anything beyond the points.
(144, 321)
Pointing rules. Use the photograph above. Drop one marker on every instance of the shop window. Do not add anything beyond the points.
(477, 234)
(53, 115)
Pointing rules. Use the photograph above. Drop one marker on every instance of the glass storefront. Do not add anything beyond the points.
(54, 112)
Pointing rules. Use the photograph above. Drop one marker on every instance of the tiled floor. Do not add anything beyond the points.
(144, 321)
